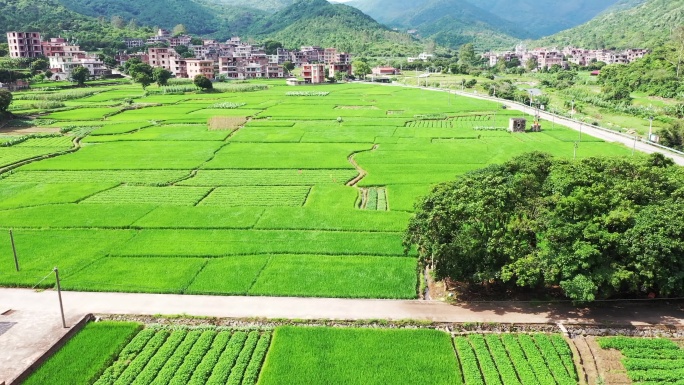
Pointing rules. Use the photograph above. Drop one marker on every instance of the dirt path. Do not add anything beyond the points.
(362, 172)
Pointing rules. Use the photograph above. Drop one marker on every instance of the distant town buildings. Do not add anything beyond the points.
(232, 59)
(548, 57)
(422, 57)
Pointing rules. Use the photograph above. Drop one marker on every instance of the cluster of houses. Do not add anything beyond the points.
(232, 59)
(548, 57)
(62, 55)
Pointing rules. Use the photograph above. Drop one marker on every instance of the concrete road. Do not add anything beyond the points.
(38, 322)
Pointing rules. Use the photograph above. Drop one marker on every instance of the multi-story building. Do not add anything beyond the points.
(24, 44)
(200, 67)
(61, 47)
(313, 73)
(160, 57)
(133, 43)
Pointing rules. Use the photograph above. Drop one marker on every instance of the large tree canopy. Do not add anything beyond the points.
(596, 228)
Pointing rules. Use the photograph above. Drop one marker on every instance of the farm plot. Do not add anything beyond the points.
(649, 361)
(315, 356)
(266, 177)
(186, 356)
(515, 359)
(294, 196)
(235, 207)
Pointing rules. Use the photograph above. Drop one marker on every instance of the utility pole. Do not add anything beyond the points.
(650, 128)
(574, 156)
(59, 295)
(634, 147)
(580, 133)
(14, 250)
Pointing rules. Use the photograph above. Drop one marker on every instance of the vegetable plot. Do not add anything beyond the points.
(189, 356)
(649, 360)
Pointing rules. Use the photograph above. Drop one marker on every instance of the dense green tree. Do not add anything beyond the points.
(142, 78)
(466, 55)
(117, 22)
(178, 30)
(80, 75)
(141, 73)
(361, 69)
(203, 82)
(531, 64)
(673, 136)
(5, 100)
(181, 49)
(161, 76)
(271, 46)
(4, 49)
(289, 66)
(595, 228)
(39, 65)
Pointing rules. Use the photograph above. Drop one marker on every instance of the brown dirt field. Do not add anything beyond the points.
(609, 364)
(226, 122)
(29, 130)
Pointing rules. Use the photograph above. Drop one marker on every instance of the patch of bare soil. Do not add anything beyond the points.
(29, 130)
(609, 364)
(226, 122)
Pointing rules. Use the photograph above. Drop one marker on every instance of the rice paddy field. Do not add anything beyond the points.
(256, 190)
(305, 355)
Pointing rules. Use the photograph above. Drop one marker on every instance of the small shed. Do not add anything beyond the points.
(517, 125)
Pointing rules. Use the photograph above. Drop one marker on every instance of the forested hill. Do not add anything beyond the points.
(333, 25)
(305, 22)
(54, 19)
(628, 24)
(448, 22)
(543, 18)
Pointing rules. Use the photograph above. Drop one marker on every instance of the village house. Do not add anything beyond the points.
(24, 44)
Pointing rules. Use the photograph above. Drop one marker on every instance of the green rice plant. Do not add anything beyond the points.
(520, 362)
(56, 96)
(294, 196)
(136, 178)
(252, 373)
(83, 358)
(227, 105)
(318, 355)
(155, 364)
(484, 357)
(193, 358)
(47, 105)
(141, 359)
(372, 199)
(536, 360)
(633, 364)
(176, 360)
(501, 358)
(137, 344)
(204, 369)
(468, 360)
(666, 354)
(307, 93)
(227, 360)
(238, 370)
(175, 89)
(265, 177)
(184, 196)
(233, 87)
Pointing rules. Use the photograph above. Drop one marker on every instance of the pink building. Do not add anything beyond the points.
(313, 73)
(24, 44)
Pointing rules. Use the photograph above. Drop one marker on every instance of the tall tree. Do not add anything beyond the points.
(203, 82)
(117, 22)
(5, 100)
(179, 29)
(361, 69)
(466, 55)
(161, 76)
(80, 75)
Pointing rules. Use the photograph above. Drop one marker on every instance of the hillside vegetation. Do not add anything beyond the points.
(629, 24)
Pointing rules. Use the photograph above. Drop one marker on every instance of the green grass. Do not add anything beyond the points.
(85, 356)
(314, 356)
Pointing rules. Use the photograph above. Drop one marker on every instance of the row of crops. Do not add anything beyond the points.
(375, 198)
(189, 356)
(430, 124)
(649, 361)
(515, 359)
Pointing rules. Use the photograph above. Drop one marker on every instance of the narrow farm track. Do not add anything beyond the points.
(361, 171)
(586, 360)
